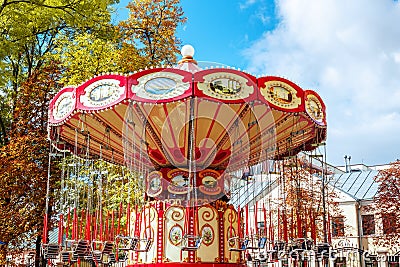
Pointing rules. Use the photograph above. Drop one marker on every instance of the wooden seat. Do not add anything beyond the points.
(111, 258)
(108, 247)
(65, 256)
(280, 245)
(101, 251)
(88, 257)
(97, 257)
(82, 248)
(74, 256)
(76, 249)
(50, 251)
(323, 250)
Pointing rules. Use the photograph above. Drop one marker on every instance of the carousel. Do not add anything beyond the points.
(186, 137)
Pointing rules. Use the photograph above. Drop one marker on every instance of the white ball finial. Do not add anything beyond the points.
(187, 51)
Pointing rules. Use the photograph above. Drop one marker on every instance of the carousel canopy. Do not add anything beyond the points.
(166, 117)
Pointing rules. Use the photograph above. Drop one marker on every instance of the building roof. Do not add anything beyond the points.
(360, 185)
(253, 191)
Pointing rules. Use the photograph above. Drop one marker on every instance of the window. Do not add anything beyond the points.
(389, 222)
(371, 261)
(261, 228)
(393, 261)
(337, 226)
(368, 224)
(340, 262)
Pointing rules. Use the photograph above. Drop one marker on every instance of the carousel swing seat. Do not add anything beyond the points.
(143, 245)
(122, 257)
(64, 256)
(279, 248)
(75, 250)
(191, 239)
(190, 243)
(82, 248)
(127, 242)
(241, 244)
(50, 251)
(101, 251)
(256, 242)
(111, 258)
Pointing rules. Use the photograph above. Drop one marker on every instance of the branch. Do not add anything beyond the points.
(6, 3)
(3, 134)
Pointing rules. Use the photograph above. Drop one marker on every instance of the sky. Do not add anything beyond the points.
(346, 51)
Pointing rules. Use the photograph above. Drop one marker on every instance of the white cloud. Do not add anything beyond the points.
(246, 4)
(347, 51)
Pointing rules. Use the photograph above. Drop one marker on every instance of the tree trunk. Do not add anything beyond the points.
(2, 133)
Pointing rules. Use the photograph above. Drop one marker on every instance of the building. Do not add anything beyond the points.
(360, 226)
(353, 233)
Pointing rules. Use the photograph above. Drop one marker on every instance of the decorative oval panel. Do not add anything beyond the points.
(210, 182)
(179, 181)
(314, 108)
(175, 235)
(160, 85)
(102, 93)
(64, 106)
(207, 233)
(280, 94)
(154, 183)
(225, 86)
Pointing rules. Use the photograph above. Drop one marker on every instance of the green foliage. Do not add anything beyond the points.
(44, 45)
(85, 55)
(28, 80)
(95, 184)
(29, 30)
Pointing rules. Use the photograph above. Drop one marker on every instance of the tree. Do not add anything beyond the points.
(150, 33)
(85, 55)
(28, 80)
(97, 189)
(386, 203)
(28, 33)
(300, 201)
(43, 44)
(24, 163)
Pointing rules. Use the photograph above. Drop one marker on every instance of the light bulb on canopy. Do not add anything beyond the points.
(187, 51)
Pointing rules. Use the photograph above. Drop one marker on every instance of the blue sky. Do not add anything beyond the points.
(221, 30)
(347, 51)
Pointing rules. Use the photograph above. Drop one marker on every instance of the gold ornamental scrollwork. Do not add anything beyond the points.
(231, 216)
(177, 214)
(208, 215)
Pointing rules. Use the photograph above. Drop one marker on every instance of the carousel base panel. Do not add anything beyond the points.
(179, 264)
